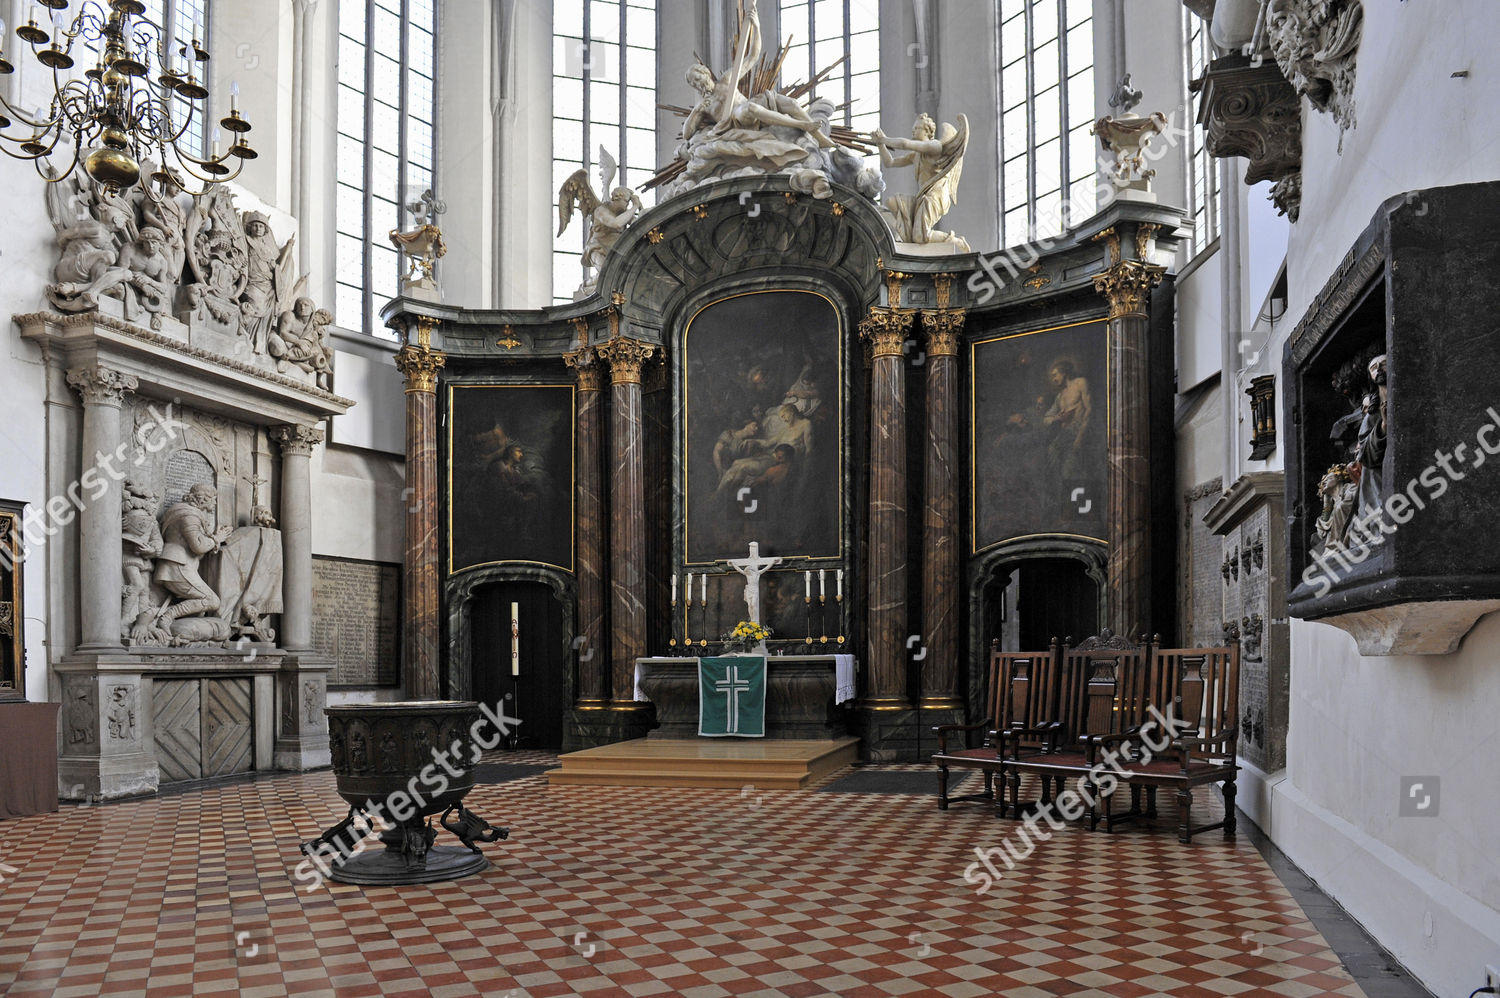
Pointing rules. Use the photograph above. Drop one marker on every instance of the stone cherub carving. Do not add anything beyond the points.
(939, 161)
(608, 218)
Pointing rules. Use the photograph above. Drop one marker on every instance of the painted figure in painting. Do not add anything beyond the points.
(1064, 425)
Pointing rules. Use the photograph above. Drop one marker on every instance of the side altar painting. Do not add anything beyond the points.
(510, 475)
(1039, 438)
(763, 423)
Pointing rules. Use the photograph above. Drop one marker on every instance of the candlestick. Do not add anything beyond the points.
(807, 585)
(839, 582)
(703, 587)
(674, 588)
(822, 583)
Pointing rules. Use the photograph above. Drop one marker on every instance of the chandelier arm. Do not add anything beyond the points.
(11, 111)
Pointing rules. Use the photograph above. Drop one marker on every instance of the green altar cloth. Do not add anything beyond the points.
(732, 696)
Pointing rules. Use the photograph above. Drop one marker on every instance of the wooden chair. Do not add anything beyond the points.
(1197, 691)
(1100, 691)
(1017, 684)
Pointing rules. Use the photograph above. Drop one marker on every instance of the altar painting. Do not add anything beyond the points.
(510, 475)
(763, 427)
(1039, 439)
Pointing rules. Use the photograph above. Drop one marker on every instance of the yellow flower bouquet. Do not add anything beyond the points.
(746, 636)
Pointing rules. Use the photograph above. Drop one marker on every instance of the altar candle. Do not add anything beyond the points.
(674, 588)
(807, 584)
(839, 582)
(822, 583)
(690, 587)
(703, 587)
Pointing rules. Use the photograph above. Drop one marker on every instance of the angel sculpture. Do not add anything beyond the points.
(423, 245)
(270, 279)
(609, 218)
(939, 162)
(300, 339)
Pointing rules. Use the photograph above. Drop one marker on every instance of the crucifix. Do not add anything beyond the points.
(752, 568)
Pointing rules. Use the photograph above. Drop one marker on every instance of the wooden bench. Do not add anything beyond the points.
(1197, 690)
(1019, 691)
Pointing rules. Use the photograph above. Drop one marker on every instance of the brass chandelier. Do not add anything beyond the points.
(117, 116)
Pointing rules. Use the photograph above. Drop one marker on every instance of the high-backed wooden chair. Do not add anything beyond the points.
(1100, 692)
(1196, 695)
(1019, 687)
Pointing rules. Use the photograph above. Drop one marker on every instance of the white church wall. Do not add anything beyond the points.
(1199, 324)
(1428, 888)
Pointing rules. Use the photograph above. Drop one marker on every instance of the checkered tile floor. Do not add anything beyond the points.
(620, 891)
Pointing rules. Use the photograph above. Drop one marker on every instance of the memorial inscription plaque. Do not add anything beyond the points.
(356, 614)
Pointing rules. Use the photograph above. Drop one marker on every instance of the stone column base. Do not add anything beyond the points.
(301, 727)
(587, 728)
(888, 735)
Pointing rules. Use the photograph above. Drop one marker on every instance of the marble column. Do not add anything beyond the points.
(419, 363)
(627, 501)
(941, 588)
(592, 663)
(1127, 285)
(886, 330)
(297, 443)
(100, 560)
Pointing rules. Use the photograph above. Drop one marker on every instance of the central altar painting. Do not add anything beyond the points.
(763, 425)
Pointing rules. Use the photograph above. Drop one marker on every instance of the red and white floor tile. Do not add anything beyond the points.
(636, 892)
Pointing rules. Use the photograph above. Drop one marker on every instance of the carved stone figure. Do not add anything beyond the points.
(1315, 42)
(301, 340)
(269, 274)
(608, 218)
(82, 713)
(187, 536)
(120, 714)
(939, 162)
(249, 581)
(1370, 452)
(218, 257)
(729, 133)
(142, 542)
(1128, 137)
(1339, 494)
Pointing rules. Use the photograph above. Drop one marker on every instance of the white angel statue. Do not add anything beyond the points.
(939, 161)
(608, 218)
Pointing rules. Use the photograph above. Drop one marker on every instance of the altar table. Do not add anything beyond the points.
(803, 695)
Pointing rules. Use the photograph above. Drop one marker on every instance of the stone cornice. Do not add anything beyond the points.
(43, 320)
(1243, 497)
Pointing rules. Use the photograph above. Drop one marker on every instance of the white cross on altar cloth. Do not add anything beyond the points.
(732, 685)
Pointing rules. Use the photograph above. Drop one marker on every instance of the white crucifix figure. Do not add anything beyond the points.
(732, 686)
(752, 568)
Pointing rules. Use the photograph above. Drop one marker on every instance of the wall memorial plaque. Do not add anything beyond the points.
(356, 620)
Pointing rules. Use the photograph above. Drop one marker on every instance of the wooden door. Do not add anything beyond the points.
(1057, 599)
(203, 727)
(532, 683)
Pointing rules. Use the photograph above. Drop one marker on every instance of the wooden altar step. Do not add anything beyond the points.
(766, 764)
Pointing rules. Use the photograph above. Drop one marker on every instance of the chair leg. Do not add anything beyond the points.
(1012, 784)
(1185, 814)
(942, 788)
(989, 784)
(1230, 820)
(1150, 802)
(1091, 794)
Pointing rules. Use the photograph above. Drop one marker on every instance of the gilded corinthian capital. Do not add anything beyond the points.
(942, 328)
(587, 366)
(420, 365)
(885, 330)
(1127, 286)
(626, 358)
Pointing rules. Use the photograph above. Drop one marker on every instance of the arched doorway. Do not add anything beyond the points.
(532, 685)
(1030, 602)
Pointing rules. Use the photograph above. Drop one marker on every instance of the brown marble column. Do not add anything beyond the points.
(886, 331)
(940, 534)
(419, 363)
(627, 522)
(593, 665)
(1127, 285)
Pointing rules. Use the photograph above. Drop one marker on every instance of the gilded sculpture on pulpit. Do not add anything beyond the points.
(938, 158)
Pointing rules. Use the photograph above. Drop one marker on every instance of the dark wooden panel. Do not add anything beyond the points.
(177, 721)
